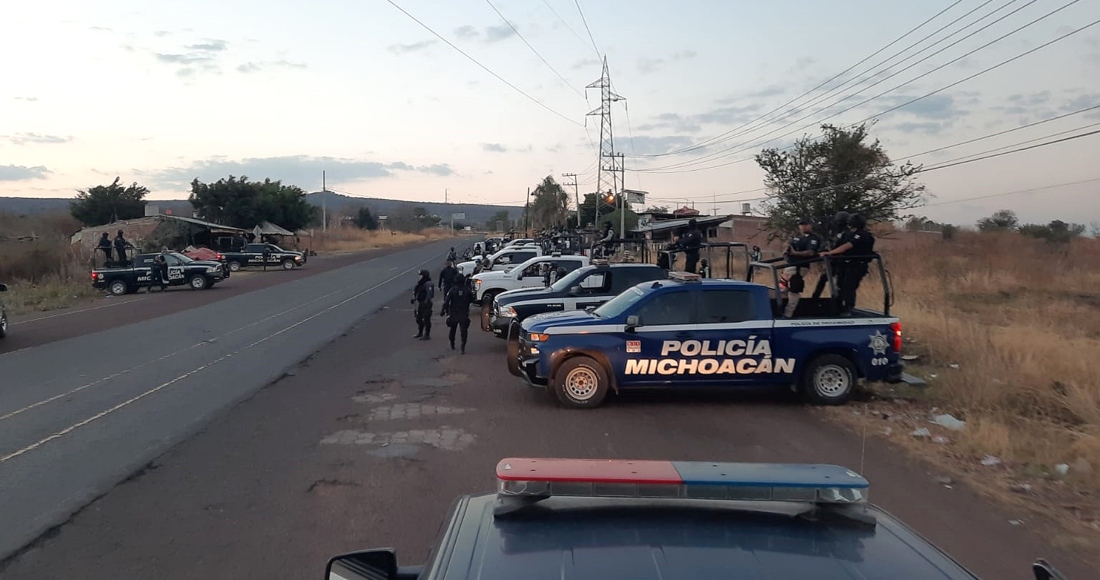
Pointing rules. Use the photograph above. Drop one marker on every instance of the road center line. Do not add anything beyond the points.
(171, 354)
(134, 399)
(60, 314)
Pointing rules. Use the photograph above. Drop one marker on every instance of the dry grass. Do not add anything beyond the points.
(1007, 329)
(49, 294)
(355, 240)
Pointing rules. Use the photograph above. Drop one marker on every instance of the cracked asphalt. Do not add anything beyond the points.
(367, 443)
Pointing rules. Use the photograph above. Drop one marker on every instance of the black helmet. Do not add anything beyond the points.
(692, 223)
(857, 221)
(841, 218)
(425, 274)
(460, 279)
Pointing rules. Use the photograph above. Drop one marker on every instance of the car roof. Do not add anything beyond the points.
(590, 539)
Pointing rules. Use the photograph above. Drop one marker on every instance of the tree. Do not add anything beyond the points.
(1056, 232)
(502, 217)
(242, 203)
(588, 209)
(104, 204)
(657, 209)
(549, 204)
(841, 171)
(409, 218)
(365, 219)
(1001, 221)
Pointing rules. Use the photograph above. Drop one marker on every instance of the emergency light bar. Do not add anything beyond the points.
(599, 262)
(684, 276)
(700, 480)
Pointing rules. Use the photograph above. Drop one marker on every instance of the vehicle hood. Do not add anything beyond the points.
(466, 267)
(541, 322)
(490, 275)
(521, 294)
(213, 263)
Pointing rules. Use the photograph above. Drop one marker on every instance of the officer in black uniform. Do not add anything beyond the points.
(690, 241)
(456, 307)
(447, 277)
(837, 234)
(423, 294)
(805, 245)
(856, 248)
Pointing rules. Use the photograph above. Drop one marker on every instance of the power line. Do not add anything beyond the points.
(483, 67)
(719, 138)
(569, 28)
(1026, 141)
(727, 152)
(1018, 191)
(585, 21)
(672, 169)
(955, 163)
(548, 65)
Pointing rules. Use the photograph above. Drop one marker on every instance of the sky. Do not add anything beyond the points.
(161, 93)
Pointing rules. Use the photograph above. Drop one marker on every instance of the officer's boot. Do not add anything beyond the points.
(427, 332)
(419, 330)
(463, 347)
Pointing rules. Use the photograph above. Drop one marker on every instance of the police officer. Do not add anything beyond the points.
(423, 294)
(105, 247)
(447, 277)
(856, 249)
(120, 248)
(456, 307)
(805, 245)
(451, 256)
(838, 233)
(691, 240)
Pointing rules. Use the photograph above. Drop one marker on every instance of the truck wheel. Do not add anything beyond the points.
(234, 266)
(288, 264)
(513, 350)
(197, 282)
(118, 288)
(829, 379)
(3, 324)
(581, 382)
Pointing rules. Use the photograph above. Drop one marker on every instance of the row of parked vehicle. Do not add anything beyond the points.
(148, 270)
(605, 327)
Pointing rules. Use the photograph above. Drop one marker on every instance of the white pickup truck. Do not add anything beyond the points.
(504, 259)
(529, 274)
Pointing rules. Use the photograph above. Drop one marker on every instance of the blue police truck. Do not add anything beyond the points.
(689, 332)
(620, 519)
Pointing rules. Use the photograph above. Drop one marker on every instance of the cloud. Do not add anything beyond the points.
(649, 65)
(466, 31)
(21, 172)
(161, 33)
(292, 169)
(494, 147)
(400, 49)
(251, 67)
(209, 46)
(585, 63)
(499, 32)
(185, 72)
(684, 54)
(182, 58)
(100, 29)
(248, 67)
(37, 138)
(646, 145)
(940, 107)
(27, 99)
(927, 128)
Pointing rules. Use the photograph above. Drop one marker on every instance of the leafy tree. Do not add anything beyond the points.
(104, 204)
(613, 219)
(841, 171)
(588, 209)
(1000, 221)
(657, 209)
(242, 203)
(948, 231)
(1056, 232)
(365, 219)
(549, 204)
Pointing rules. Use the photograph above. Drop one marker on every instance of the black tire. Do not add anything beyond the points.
(3, 324)
(513, 350)
(118, 288)
(288, 264)
(829, 379)
(581, 383)
(234, 266)
(486, 315)
(198, 282)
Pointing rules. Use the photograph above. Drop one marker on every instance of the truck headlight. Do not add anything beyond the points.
(508, 311)
(477, 283)
(213, 269)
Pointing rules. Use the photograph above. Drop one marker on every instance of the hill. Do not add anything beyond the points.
(337, 204)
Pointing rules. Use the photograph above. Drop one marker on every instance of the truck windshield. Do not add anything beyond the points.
(619, 304)
(181, 257)
(569, 281)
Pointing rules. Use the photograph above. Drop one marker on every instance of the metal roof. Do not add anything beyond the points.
(664, 225)
(205, 224)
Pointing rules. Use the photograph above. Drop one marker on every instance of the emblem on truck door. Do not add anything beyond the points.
(879, 344)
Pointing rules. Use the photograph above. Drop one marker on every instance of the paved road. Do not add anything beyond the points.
(79, 415)
(367, 443)
(106, 312)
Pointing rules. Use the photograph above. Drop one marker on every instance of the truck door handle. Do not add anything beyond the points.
(683, 334)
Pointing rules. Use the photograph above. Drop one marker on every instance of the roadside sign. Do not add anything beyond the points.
(458, 216)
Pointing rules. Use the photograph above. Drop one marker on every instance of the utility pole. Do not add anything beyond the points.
(622, 196)
(324, 202)
(605, 180)
(576, 192)
(526, 212)
(447, 204)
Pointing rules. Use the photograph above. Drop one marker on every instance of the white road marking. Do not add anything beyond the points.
(132, 400)
(68, 312)
(172, 354)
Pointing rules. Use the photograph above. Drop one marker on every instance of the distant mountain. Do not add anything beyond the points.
(335, 203)
(346, 204)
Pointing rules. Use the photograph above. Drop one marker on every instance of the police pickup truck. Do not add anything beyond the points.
(529, 274)
(600, 519)
(687, 332)
(586, 287)
(261, 255)
(198, 275)
(502, 260)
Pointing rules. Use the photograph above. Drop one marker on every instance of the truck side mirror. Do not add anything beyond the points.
(575, 291)
(369, 565)
(3, 287)
(632, 322)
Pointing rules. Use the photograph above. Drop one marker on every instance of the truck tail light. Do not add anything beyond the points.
(221, 256)
(94, 276)
(895, 327)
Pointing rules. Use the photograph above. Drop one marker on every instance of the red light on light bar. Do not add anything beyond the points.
(896, 328)
(588, 471)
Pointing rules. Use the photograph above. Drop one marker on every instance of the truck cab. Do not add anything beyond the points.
(688, 332)
(504, 259)
(262, 254)
(529, 274)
